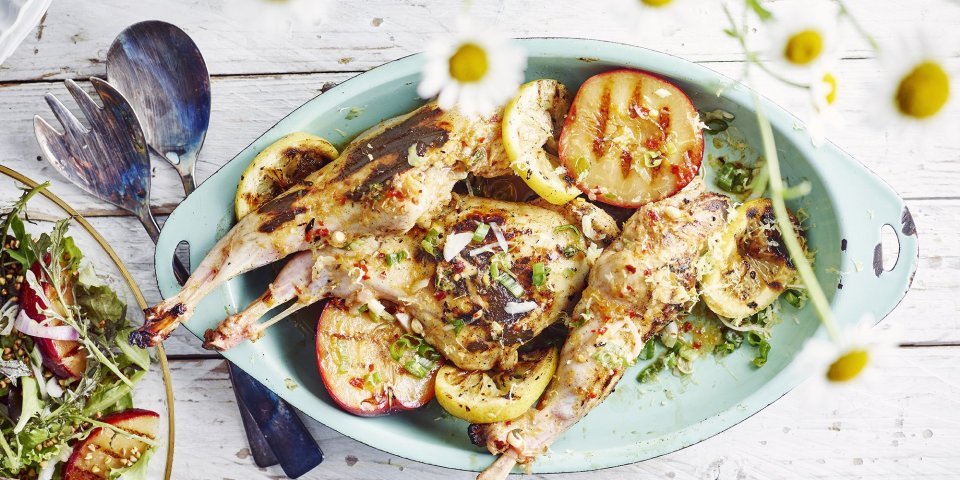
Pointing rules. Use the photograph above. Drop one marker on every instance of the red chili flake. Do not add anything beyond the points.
(381, 255)
(629, 289)
(370, 367)
(458, 267)
(592, 395)
(440, 295)
(357, 382)
(647, 271)
(697, 344)
(652, 143)
(652, 215)
(396, 193)
(687, 326)
(631, 268)
(363, 268)
(602, 330)
(665, 119)
(323, 232)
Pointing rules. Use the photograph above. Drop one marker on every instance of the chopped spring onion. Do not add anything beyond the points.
(418, 357)
(457, 325)
(455, 244)
(479, 155)
(734, 178)
(731, 342)
(581, 166)
(652, 160)
(763, 350)
(396, 257)
(430, 241)
(539, 274)
(499, 261)
(610, 360)
(571, 323)
(378, 311)
(371, 380)
(797, 298)
(500, 238)
(648, 350)
(513, 308)
(510, 284)
(570, 251)
(569, 228)
(481, 232)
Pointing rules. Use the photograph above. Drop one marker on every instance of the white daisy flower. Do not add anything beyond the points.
(280, 16)
(824, 115)
(915, 89)
(474, 71)
(801, 36)
(849, 360)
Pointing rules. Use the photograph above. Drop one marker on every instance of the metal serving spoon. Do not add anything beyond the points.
(162, 73)
(160, 70)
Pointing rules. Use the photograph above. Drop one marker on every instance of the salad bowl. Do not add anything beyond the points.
(847, 207)
(154, 391)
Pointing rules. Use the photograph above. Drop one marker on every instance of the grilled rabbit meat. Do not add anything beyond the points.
(395, 174)
(459, 306)
(643, 281)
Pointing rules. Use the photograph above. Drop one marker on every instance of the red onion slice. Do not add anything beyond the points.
(28, 326)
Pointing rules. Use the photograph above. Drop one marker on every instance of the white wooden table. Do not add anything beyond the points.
(906, 427)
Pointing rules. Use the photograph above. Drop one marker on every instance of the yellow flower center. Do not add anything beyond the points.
(803, 47)
(831, 82)
(848, 366)
(656, 3)
(469, 63)
(923, 91)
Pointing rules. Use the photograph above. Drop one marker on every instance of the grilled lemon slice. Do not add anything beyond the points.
(529, 123)
(280, 166)
(751, 267)
(495, 396)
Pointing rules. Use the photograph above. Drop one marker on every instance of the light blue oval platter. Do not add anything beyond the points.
(638, 421)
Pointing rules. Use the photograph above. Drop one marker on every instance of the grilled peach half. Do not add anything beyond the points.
(371, 366)
(631, 138)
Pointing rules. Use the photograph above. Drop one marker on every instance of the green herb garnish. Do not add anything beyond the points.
(429, 242)
(539, 274)
(481, 232)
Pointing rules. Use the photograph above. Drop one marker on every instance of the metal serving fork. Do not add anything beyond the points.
(108, 160)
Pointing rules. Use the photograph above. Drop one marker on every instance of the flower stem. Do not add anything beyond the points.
(856, 25)
(789, 234)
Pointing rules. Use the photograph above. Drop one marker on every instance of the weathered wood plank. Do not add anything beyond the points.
(245, 107)
(931, 302)
(361, 35)
(905, 426)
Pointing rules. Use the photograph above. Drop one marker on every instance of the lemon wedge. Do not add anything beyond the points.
(280, 166)
(496, 396)
(530, 123)
(750, 265)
